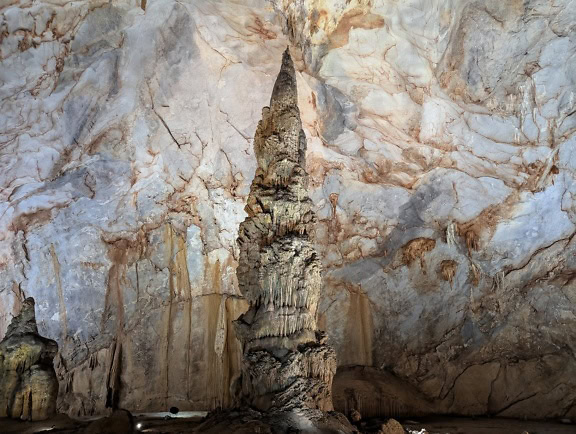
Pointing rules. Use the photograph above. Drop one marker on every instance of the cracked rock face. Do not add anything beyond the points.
(28, 384)
(441, 163)
(287, 364)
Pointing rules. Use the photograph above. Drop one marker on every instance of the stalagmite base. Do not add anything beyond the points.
(287, 368)
(28, 383)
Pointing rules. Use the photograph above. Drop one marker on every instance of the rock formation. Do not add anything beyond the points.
(118, 422)
(288, 367)
(287, 363)
(28, 384)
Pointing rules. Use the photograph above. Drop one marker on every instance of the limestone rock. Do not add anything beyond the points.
(28, 383)
(392, 426)
(355, 416)
(247, 421)
(287, 365)
(119, 422)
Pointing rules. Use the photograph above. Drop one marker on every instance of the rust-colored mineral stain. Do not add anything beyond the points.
(554, 170)
(359, 330)
(474, 274)
(180, 290)
(178, 265)
(258, 28)
(317, 19)
(472, 240)
(416, 249)
(355, 18)
(334, 203)
(448, 270)
(486, 222)
(221, 368)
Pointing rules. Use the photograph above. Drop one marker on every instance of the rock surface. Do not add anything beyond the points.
(247, 421)
(119, 422)
(392, 427)
(28, 384)
(441, 139)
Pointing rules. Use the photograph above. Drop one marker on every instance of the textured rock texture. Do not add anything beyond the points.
(287, 364)
(28, 384)
(248, 421)
(441, 139)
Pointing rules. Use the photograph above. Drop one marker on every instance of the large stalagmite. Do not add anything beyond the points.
(287, 368)
(28, 384)
(287, 364)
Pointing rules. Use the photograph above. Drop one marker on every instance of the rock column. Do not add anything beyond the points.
(287, 364)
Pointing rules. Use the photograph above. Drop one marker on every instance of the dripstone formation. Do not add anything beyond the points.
(28, 383)
(287, 367)
(286, 362)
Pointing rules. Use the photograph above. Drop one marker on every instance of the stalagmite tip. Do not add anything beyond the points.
(284, 92)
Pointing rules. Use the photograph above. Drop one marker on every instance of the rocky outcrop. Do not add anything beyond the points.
(287, 363)
(28, 383)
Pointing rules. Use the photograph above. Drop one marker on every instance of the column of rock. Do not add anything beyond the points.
(28, 383)
(287, 364)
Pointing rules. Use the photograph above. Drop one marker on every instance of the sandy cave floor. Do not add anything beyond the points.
(186, 422)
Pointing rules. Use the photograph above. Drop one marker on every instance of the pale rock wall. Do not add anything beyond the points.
(441, 139)
(124, 174)
(445, 179)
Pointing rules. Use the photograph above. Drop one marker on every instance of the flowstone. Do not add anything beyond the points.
(28, 383)
(287, 367)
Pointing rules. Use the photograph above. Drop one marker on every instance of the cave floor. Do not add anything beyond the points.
(462, 425)
(186, 423)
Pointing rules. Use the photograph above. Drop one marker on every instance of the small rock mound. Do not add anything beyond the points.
(392, 427)
(28, 383)
(355, 416)
(119, 422)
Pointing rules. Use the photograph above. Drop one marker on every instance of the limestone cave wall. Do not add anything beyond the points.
(442, 159)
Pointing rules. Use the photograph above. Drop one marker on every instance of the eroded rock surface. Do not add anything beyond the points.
(28, 383)
(441, 139)
(302, 420)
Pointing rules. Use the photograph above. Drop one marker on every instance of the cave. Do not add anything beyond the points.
(276, 216)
